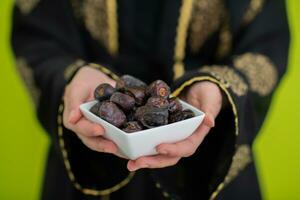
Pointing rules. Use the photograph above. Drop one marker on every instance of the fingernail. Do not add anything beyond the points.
(210, 122)
(72, 113)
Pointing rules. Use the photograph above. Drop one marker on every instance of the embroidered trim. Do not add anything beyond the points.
(71, 69)
(67, 164)
(164, 192)
(241, 159)
(112, 23)
(225, 36)
(228, 77)
(28, 78)
(26, 6)
(95, 18)
(104, 70)
(100, 17)
(255, 6)
(259, 70)
(181, 35)
(206, 19)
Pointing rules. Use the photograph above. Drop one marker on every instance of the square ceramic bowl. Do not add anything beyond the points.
(143, 143)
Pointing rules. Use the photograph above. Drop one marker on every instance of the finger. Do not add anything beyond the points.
(187, 147)
(158, 161)
(87, 128)
(99, 144)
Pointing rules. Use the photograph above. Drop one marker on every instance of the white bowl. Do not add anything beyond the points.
(143, 143)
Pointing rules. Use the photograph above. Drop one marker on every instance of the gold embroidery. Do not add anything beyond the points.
(225, 37)
(104, 70)
(112, 22)
(95, 18)
(205, 20)
(181, 34)
(259, 70)
(26, 6)
(100, 17)
(28, 78)
(228, 77)
(254, 8)
(71, 69)
(67, 164)
(241, 159)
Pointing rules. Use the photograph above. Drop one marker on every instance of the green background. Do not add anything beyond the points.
(23, 144)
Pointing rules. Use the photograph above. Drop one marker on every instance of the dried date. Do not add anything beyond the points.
(174, 105)
(132, 126)
(129, 81)
(103, 91)
(152, 117)
(138, 93)
(125, 101)
(111, 113)
(158, 102)
(158, 88)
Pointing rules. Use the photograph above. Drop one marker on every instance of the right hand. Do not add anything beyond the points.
(80, 90)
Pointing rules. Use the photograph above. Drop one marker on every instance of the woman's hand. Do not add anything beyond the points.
(203, 95)
(80, 90)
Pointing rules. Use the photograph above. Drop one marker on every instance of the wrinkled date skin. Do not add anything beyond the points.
(140, 112)
(187, 113)
(95, 108)
(158, 102)
(112, 114)
(158, 88)
(181, 115)
(125, 101)
(129, 81)
(138, 93)
(152, 117)
(103, 92)
(132, 126)
(174, 105)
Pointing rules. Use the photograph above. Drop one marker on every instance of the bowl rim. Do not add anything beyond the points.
(198, 114)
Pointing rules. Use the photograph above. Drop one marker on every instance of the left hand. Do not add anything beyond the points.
(205, 96)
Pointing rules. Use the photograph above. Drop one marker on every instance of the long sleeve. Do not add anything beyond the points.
(48, 44)
(248, 77)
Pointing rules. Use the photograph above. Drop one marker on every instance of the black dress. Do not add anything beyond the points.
(242, 46)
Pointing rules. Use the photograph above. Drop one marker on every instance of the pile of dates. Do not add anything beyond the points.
(134, 106)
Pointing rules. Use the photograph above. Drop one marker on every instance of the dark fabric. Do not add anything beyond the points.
(53, 36)
(240, 188)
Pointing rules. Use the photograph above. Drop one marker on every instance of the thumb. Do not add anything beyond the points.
(209, 100)
(74, 100)
(209, 120)
(74, 116)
